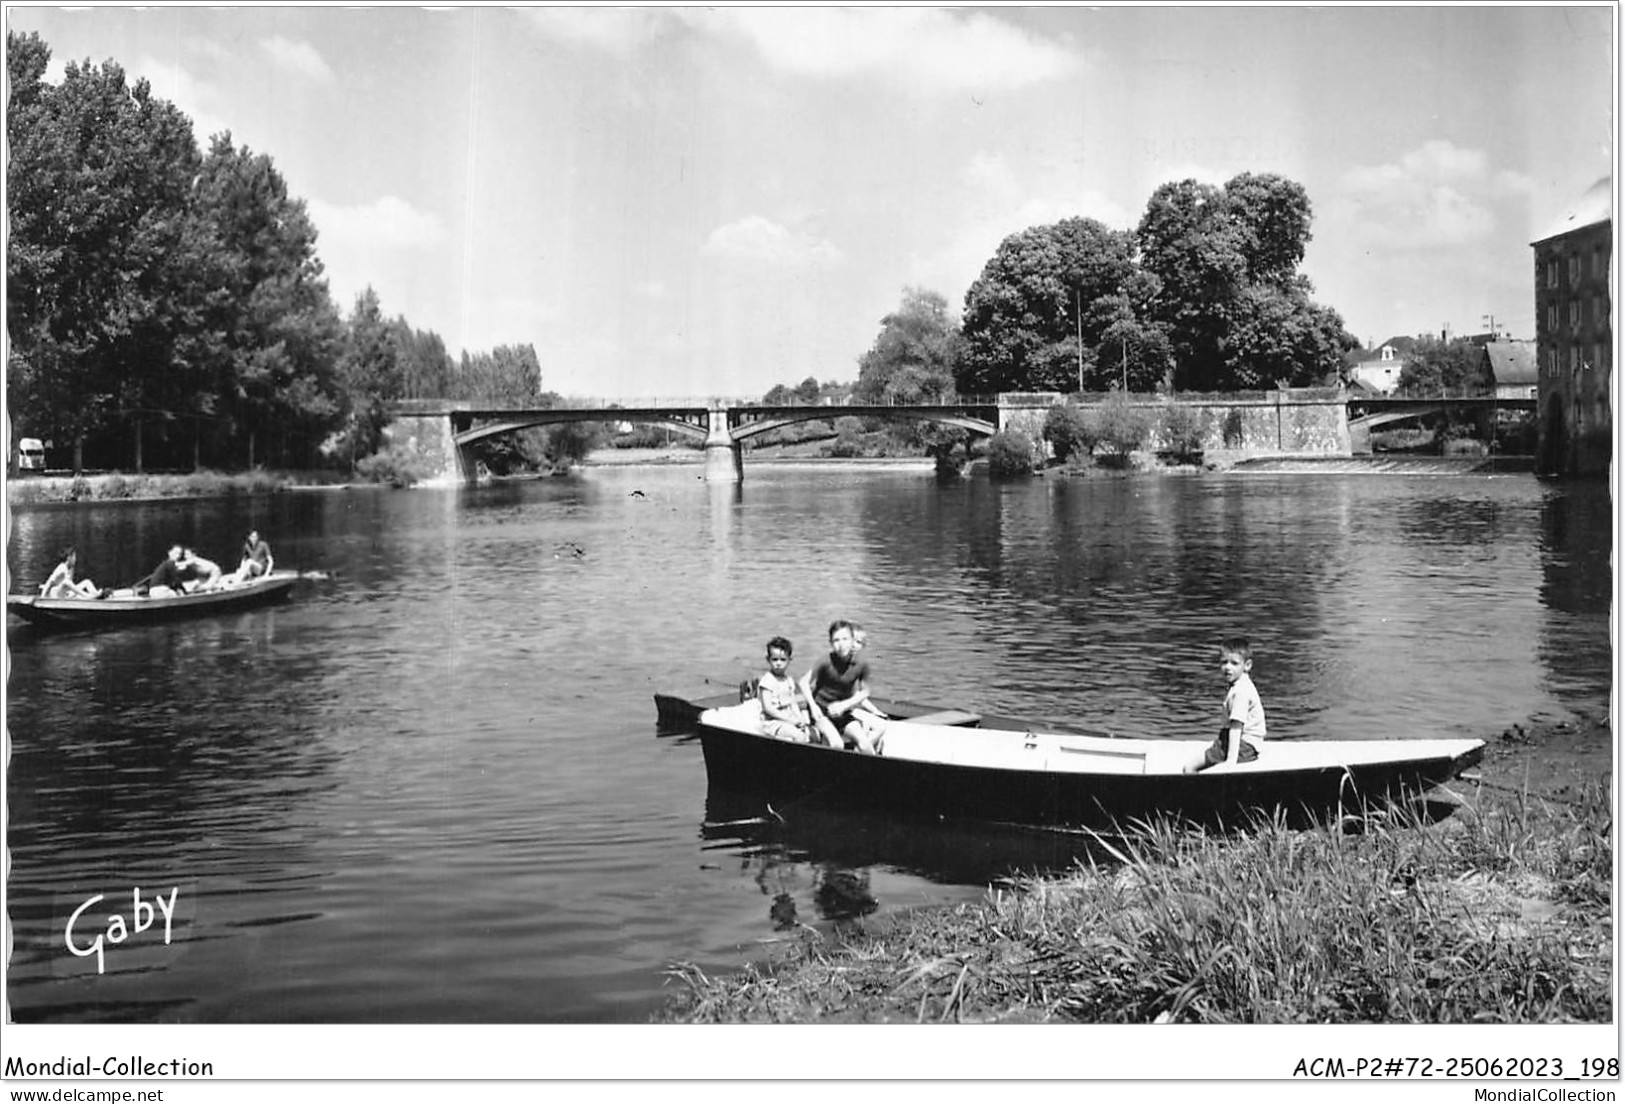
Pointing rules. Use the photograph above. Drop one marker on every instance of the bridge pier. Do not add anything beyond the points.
(724, 456)
(431, 441)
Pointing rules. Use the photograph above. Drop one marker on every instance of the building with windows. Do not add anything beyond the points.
(1513, 368)
(1377, 369)
(1574, 333)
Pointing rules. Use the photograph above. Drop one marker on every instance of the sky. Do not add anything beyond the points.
(681, 202)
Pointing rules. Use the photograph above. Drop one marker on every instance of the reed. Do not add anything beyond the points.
(1500, 914)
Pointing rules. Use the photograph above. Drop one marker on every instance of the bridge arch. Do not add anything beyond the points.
(692, 423)
(749, 422)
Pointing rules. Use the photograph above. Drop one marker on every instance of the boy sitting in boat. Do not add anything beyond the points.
(1242, 737)
(836, 690)
(783, 715)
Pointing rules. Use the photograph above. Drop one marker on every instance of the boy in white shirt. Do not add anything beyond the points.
(783, 714)
(1242, 737)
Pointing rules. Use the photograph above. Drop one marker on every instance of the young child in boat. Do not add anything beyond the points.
(783, 714)
(1242, 737)
(62, 584)
(836, 688)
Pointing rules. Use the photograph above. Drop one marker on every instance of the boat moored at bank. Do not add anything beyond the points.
(946, 763)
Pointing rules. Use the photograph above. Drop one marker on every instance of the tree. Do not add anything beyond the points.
(1031, 321)
(1236, 311)
(1067, 431)
(912, 362)
(1118, 427)
(511, 375)
(1433, 366)
(507, 375)
(1009, 454)
(369, 372)
(100, 246)
(427, 370)
(282, 334)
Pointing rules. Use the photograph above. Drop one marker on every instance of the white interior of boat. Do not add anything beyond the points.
(923, 741)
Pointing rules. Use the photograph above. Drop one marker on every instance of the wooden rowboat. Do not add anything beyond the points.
(947, 763)
(119, 609)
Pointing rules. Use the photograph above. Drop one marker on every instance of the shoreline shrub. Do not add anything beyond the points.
(1068, 432)
(1009, 455)
(1183, 433)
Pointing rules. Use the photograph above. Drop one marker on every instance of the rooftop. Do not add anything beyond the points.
(1513, 361)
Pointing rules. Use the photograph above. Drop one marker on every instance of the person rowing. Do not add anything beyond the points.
(165, 580)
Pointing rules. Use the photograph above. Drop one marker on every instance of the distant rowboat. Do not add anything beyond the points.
(129, 609)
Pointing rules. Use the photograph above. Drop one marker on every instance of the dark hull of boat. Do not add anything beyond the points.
(57, 613)
(784, 773)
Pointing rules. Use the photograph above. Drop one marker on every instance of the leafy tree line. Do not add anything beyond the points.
(1433, 365)
(1203, 295)
(164, 297)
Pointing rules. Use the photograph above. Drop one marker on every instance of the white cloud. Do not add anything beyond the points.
(759, 240)
(1438, 195)
(618, 31)
(298, 58)
(650, 289)
(386, 223)
(928, 50)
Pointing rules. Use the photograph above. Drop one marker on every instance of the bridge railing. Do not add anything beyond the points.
(667, 402)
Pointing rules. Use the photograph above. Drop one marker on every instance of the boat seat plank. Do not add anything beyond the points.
(959, 718)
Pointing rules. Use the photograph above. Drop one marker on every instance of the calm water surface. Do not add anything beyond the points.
(430, 788)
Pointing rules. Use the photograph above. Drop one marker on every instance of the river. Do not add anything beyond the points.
(430, 788)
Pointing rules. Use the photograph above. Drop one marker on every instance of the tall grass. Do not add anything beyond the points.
(120, 485)
(1499, 915)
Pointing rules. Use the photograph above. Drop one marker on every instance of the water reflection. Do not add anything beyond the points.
(1576, 592)
(822, 861)
(424, 789)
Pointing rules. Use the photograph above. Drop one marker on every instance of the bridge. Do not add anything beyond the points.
(1315, 420)
(1368, 412)
(447, 429)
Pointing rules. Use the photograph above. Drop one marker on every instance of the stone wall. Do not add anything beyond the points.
(428, 439)
(1311, 421)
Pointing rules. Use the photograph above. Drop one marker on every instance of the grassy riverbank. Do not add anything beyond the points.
(116, 486)
(1501, 913)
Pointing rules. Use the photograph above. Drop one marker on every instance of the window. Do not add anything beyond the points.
(1551, 362)
(1551, 317)
(1574, 314)
(1574, 270)
(1574, 360)
(1551, 274)
(1599, 263)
